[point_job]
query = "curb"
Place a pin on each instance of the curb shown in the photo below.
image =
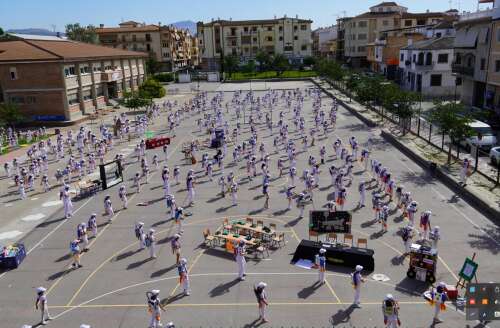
(470, 197)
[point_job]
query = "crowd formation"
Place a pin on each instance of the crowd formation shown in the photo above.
(291, 136)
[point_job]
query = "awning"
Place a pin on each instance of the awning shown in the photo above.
(466, 38)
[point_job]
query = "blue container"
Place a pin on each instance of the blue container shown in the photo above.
(12, 262)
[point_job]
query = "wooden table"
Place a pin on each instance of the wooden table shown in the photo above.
(258, 230)
(230, 240)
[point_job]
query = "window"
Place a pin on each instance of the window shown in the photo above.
(361, 48)
(385, 23)
(281, 38)
(97, 68)
(148, 37)
(303, 27)
(296, 37)
(442, 58)
(428, 58)
(17, 99)
(233, 31)
(245, 29)
(483, 64)
(438, 35)
(436, 80)
(166, 54)
(295, 27)
(362, 36)
(233, 52)
(254, 39)
(269, 28)
(87, 95)
(269, 38)
(164, 44)
(304, 47)
(408, 22)
(497, 66)
(69, 71)
(99, 91)
(353, 36)
(84, 70)
(148, 47)
(281, 28)
(13, 73)
(362, 24)
(254, 28)
(458, 59)
(31, 100)
(124, 38)
(414, 58)
(402, 57)
(134, 38)
(73, 98)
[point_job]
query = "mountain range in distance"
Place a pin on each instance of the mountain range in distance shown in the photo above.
(187, 24)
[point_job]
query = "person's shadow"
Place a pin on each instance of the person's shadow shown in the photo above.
(342, 316)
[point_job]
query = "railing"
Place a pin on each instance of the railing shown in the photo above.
(432, 134)
(463, 70)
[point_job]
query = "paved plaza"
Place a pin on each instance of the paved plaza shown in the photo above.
(110, 289)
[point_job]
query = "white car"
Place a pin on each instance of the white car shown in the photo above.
(495, 155)
(483, 136)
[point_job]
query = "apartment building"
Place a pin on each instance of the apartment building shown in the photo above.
(425, 67)
(171, 47)
(61, 80)
(244, 39)
(325, 41)
(341, 26)
(364, 29)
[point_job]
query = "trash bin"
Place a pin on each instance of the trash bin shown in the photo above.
(433, 168)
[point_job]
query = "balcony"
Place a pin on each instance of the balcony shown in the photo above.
(462, 70)
(423, 66)
(111, 76)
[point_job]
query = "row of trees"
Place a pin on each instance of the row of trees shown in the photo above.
(263, 62)
(374, 90)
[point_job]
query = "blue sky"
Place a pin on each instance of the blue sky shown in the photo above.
(45, 13)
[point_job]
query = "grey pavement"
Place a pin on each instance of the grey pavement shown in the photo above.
(109, 291)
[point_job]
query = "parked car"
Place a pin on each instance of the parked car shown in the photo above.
(495, 155)
(483, 137)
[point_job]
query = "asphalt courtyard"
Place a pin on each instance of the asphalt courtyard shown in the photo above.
(109, 291)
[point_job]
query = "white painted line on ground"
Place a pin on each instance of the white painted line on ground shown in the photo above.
(10, 234)
(57, 227)
(33, 217)
(52, 203)
(34, 198)
(9, 205)
(453, 206)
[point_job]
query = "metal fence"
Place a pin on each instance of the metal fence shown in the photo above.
(431, 133)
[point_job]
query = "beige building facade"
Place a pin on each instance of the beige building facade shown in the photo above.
(171, 47)
(244, 39)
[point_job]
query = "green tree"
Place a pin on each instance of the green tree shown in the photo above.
(1, 31)
(249, 67)
(80, 33)
(151, 89)
(264, 60)
(133, 100)
(280, 64)
(230, 65)
(10, 114)
(309, 61)
(450, 120)
(152, 65)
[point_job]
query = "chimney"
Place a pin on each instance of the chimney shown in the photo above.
(101, 25)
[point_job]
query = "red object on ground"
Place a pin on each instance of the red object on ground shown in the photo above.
(452, 292)
(157, 142)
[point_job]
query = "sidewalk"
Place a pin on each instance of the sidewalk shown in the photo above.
(480, 192)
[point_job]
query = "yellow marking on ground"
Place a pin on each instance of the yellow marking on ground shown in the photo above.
(332, 291)
(115, 254)
(225, 304)
(189, 271)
